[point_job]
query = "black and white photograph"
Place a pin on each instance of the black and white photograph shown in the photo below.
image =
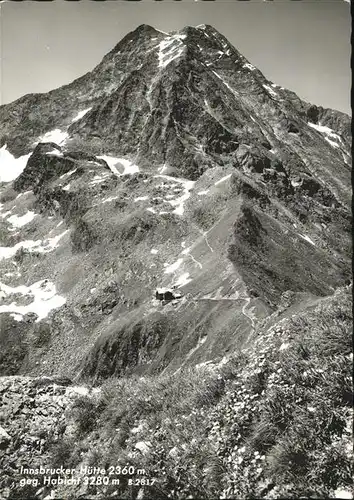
(175, 250)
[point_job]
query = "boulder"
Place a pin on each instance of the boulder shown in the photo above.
(143, 447)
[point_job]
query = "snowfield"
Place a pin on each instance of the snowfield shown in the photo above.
(81, 114)
(21, 220)
(169, 49)
(45, 299)
(112, 162)
(11, 167)
(330, 136)
(58, 136)
(40, 246)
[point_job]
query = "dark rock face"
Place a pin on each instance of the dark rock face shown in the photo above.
(42, 167)
(178, 162)
(272, 258)
(48, 163)
(14, 346)
(130, 351)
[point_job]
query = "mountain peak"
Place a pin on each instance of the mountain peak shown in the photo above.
(145, 28)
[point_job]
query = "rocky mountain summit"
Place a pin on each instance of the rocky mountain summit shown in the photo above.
(173, 165)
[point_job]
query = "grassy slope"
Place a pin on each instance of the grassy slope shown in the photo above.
(274, 421)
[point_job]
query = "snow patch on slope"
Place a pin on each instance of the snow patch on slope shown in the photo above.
(80, 115)
(55, 152)
(98, 179)
(330, 136)
(307, 238)
(45, 299)
(23, 194)
(270, 90)
(109, 199)
(223, 179)
(21, 220)
(249, 66)
(141, 198)
(40, 246)
(112, 162)
(169, 49)
(225, 83)
(343, 493)
(183, 280)
(179, 202)
(58, 136)
(11, 167)
(173, 267)
(68, 173)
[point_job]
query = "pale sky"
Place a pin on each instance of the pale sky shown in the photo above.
(302, 45)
